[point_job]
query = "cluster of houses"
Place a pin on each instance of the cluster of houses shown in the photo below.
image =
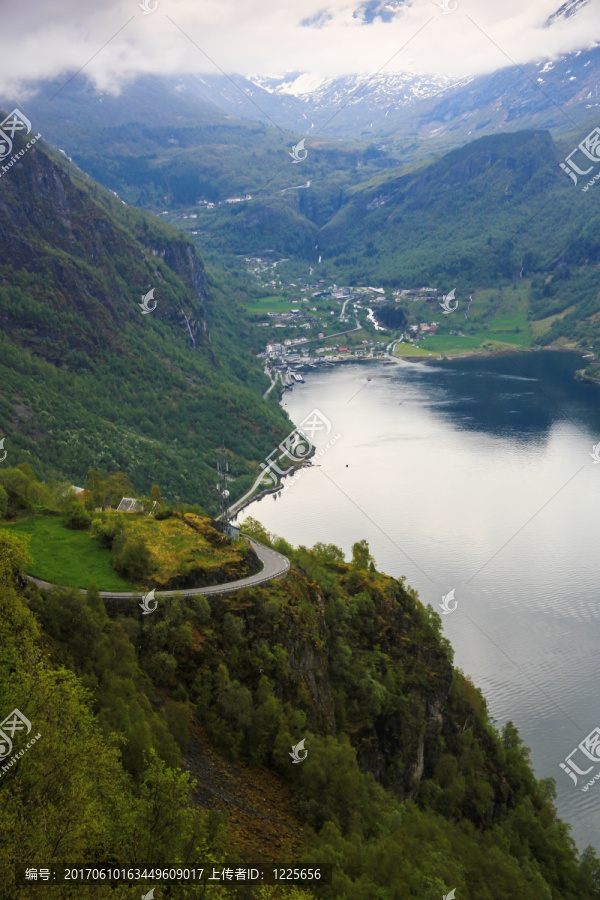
(295, 318)
(301, 316)
(258, 266)
(416, 331)
(278, 351)
(127, 504)
(281, 357)
(304, 315)
(428, 294)
(329, 355)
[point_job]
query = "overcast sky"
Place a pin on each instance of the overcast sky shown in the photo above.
(57, 37)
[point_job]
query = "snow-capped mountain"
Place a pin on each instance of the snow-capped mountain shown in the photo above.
(398, 89)
(418, 113)
(552, 93)
(547, 94)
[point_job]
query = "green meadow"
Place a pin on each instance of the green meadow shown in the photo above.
(266, 305)
(65, 556)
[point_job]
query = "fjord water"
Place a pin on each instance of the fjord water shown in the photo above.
(475, 475)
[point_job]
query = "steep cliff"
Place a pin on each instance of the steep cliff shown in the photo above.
(292, 706)
(150, 387)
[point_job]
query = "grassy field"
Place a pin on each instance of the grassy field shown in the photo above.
(277, 304)
(451, 343)
(497, 320)
(176, 547)
(500, 315)
(411, 350)
(63, 556)
(510, 328)
(72, 558)
(456, 345)
(541, 326)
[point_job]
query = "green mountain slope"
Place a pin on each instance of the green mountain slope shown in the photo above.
(88, 379)
(406, 788)
(491, 213)
(163, 148)
(487, 214)
(159, 142)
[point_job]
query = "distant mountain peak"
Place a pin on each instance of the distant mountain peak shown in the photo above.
(566, 11)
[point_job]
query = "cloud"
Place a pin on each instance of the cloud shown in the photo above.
(318, 20)
(112, 41)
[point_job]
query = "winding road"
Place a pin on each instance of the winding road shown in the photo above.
(275, 566)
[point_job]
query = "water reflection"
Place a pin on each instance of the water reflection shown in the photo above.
(475, 475)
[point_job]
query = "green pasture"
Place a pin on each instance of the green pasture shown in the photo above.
(277, 304)
(64, 556)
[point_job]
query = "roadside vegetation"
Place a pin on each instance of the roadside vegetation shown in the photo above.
(75, 543)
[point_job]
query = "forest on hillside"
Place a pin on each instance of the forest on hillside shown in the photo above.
(161, 738)
(90, 380)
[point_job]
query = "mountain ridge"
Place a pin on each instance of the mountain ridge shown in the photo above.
(449, 107)
(76, 263)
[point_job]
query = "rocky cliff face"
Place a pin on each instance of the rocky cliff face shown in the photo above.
(91, 258)
(397, 737)
(401, 744)
(193, 317)
(309, 665)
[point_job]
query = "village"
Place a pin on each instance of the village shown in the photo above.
(340, 323)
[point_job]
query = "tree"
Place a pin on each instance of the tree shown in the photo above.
(3, 502)
(155, 494)
(178, 718)
(61, 495)
(96, 487)
(27, 471)
(254, 528)
(14, 557)
(328, 553)
(106, 531)
(201, 608)
(391, 315)
(117, 486)
(37, 491)
(17, 486)
(361, 556)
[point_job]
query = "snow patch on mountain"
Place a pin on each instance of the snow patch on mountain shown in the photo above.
(385, 89)
(566, 11)
(294, 85)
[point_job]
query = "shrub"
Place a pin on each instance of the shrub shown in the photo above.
(3, 502)
(17, 487)
(131, 557)
(105, 531)
(77, 517)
